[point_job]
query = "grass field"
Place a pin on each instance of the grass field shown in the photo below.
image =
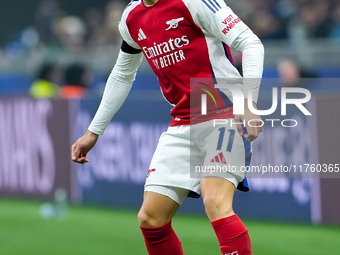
(98, 231)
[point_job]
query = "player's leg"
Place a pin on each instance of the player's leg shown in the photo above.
(168, 172)
(217, 194)
(226, 153)
(155, 220)
(156, 210)
(232, 235)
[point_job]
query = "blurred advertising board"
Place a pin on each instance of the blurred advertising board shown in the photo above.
(34, 147)
(120, 160)
(328, 141)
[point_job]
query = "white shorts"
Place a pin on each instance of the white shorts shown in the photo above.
(185, 154)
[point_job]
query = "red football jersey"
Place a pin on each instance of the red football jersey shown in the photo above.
(181, 40)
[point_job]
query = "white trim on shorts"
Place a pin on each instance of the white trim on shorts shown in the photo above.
(175, 193)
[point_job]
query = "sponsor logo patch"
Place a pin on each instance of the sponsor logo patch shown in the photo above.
(229, 23)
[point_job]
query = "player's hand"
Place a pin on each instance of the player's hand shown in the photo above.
(82, 146)
(255, 129)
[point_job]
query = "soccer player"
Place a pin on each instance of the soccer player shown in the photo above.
(184, 39)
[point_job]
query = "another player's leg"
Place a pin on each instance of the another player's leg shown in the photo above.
(232, 235)
(155, 222)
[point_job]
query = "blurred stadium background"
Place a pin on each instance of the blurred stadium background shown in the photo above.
(53, 38)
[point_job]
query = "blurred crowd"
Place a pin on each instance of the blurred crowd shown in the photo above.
(54, 81)
(55, 29)
(269, 19)
(290, 19)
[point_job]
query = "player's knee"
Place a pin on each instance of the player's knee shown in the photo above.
(143, 218)
(217, 207)
(148, 219)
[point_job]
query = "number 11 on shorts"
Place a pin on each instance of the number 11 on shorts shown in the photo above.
(221, 138)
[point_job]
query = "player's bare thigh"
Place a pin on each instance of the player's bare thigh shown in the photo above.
(217, 196)
(156, 210)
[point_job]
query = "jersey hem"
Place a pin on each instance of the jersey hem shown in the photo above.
(196, 119)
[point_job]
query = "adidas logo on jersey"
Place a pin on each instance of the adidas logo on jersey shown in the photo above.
(141, 35)
(219, 158)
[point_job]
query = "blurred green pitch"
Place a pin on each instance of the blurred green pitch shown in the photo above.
(98, 231)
